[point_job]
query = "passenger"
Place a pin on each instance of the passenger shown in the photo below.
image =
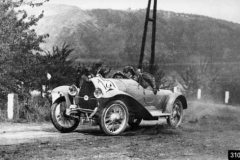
(130, 72)
(144, 79)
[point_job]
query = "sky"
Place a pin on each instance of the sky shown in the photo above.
(221, 9)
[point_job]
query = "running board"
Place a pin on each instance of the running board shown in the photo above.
(156, 113)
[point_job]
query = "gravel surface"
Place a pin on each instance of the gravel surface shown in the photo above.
(208, 131)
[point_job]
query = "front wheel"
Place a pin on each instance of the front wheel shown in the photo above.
(114, 118)
(60, 120)
(175, 119)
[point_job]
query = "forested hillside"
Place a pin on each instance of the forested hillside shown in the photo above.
(202, 50)
(104, 33)
(195, 51)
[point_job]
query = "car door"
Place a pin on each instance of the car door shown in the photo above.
(149, 96)
(135, 90)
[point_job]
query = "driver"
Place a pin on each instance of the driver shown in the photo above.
(144, 79)
(87, 74)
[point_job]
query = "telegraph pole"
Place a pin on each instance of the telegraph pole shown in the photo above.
(154, 24)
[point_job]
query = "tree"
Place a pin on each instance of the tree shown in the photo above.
(207, 59)
(58, 65)
(18, 41)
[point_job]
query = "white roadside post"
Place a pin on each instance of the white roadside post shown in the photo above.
(44, 89)
(12, 105)
(49, 76)
(226, 97)
(199, 93)
(175, 90)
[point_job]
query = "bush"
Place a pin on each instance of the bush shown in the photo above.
(37, 109)
(3, 115)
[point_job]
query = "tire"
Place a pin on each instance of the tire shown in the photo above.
(135, 122)
(175, 119)
(114, 118)
(60, 120)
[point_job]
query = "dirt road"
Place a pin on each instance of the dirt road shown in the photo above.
(207, 132)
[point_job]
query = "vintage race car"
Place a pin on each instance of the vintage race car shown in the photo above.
(113, 104)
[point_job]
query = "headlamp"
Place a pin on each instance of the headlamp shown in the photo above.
(98, 93)
(73, 90)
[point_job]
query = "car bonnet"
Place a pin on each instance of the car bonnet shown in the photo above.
(108, 84)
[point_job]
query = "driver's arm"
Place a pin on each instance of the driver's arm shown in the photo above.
(150, 80)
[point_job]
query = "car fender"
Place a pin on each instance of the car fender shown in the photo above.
(131, 102)
(59, 93)
(172, 98)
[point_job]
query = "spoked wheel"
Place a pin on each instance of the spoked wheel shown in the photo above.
(176, 116)
(60, 120)
(134, 122)
(114, 118)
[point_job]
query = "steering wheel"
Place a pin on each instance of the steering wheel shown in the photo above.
(119, 75)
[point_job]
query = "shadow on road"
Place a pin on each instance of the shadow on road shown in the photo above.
(140, 130)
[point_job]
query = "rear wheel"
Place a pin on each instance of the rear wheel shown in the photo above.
(175, 119)
(60, 120)
(114, 118)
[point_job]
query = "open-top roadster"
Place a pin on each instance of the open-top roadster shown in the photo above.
(114, 103)
(117, 102)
